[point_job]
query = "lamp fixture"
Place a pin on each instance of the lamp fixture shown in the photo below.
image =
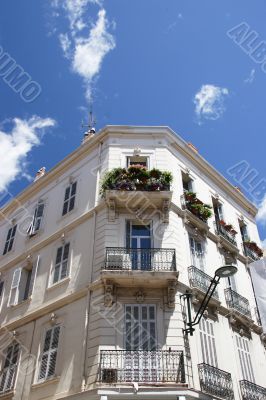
(222, 272)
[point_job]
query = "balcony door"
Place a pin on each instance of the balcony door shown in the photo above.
(197, 253)
(141, 361)
(139, 238)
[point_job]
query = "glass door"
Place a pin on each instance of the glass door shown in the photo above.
(140, 243)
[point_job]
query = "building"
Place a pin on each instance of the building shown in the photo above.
(93, 267)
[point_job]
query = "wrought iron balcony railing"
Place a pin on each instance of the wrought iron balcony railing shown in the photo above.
(220, 230)
(215, 381)
(141, 366)
(249, 253)
(237, 302)
(251, 391)
(121, 258)
(198, 279)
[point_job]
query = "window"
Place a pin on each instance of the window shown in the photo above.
(9, 369)
(197, 253)
(243, 231)
(137, 160)
(69, 200)
(244, 358)
(218, 210)
(10, 239)
(61, 263)
(187, 183)
(140, 327)
(49, 353)
(22, 283)
(36, 220)
(207, 341)
(138, 238)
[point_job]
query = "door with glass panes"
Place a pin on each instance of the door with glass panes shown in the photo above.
(139, 238)
(141, 363)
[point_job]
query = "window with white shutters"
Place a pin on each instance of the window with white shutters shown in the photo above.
(9, 368)
(49, 353)
(69, 199)
(10, 239)
(140, 327)
(36, 220)
(61, 263)
(244, 358)
(207, 341)
(22, 283)
(197, 253)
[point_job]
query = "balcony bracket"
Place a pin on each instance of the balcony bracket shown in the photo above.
(111, 210)
(171, 291)
(165, 211)
(108, 294)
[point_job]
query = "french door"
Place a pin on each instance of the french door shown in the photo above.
(141, 360)
(140, 243)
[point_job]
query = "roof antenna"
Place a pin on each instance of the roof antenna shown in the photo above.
(90, 125)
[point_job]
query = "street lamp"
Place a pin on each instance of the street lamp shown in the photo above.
(222, 272)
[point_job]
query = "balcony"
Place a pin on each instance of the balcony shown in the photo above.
(126, 366)
(252, 251)
(195, 212)
(200, 281)
(237, 302)
(251, 391)
(130, 267)
(224, 233)
(137, 189)
(215, 382)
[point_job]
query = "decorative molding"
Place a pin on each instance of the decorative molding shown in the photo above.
(53, 319)
(108, 294)
(111, 210)
(140, 296)
(165, 211)
(171, 290)
(137, 151)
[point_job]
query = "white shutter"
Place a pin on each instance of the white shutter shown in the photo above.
(244, 358)
(140, 327)
(9, 369)
(14, 291)
(197, 253)
(207, 340)
(33, 275)
(49, 353)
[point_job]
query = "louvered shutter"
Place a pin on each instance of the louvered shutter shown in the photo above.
(64, 261)
(58, 261)
(7, 240)
(207, 339)
(14, 291)
(10, 367)
(11, 241)
(1, 287)
(49, 354)
(244, 358)
(72, 196)
(33, 275)
(66, 200)
(31, 227)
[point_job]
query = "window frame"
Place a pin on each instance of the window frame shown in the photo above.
(32, 231)
(147, 166)
(193, 257)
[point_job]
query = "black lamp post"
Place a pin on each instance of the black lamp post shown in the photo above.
(222, 272)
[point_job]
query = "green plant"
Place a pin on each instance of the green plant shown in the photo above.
(155, 173)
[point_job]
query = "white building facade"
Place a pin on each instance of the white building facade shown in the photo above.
(92, 277)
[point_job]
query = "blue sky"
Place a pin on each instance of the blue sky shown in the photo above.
(154, 62)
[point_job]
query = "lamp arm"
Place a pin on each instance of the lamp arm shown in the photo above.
(205, 301)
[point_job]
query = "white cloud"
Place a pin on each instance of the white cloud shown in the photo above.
(86, 46)
(209, 102)
(251, 76)
(16, 144)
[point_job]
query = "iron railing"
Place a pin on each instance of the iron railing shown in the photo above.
(237, 302)
(250, 253)
(251, 391)
(220, 230)
(215, 381)
(198, 279)
(141, 366)
(121, 258)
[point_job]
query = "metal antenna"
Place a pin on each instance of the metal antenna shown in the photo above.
(91, 121)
